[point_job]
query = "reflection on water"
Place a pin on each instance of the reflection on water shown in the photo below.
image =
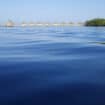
(52, 66)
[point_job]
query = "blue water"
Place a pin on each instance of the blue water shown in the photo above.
(52, 66)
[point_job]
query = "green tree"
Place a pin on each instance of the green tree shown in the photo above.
(95, 22)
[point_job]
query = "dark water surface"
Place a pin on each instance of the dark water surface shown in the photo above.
(52, 66)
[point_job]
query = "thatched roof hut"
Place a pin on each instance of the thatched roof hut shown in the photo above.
(23, 24)
(10, 23)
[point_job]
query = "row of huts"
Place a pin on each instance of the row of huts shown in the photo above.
(10, 23)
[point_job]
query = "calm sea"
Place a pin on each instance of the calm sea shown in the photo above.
(52, 66)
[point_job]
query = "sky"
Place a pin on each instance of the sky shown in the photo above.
(51, 10)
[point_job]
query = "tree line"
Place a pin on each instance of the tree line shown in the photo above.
(95, 22)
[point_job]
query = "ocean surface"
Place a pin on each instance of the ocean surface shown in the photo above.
(52, 66)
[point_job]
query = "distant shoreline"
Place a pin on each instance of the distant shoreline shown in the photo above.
(10, 23)
(98, 22)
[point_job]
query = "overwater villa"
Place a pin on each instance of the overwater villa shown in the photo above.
(55, 24)
(81, 23)
(39, 24)
(24, 24)
(31, 24)
(10, 23)
(46, 24)
(71, 23)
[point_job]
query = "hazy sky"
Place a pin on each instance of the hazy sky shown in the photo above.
(51, 10)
